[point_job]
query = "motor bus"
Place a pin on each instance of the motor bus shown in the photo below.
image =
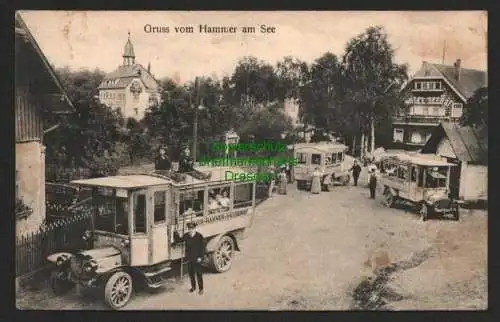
(421, 180)
(131, 240)
(329, 157)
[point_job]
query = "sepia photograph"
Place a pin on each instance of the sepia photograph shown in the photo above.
(259, 160)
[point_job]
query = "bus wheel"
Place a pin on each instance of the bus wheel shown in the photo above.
(424, 211)
(389, 198)
(456, 214)
(118, 290)
(222, 258)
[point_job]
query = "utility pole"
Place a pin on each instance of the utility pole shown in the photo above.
(195, 126)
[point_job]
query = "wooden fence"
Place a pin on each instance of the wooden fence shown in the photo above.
(64, 235)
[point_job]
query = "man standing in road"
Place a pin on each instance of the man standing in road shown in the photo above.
(356, 170)
(372, 184)
(195, 251)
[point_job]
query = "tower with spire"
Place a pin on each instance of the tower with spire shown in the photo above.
(128, 53)
(131, 87)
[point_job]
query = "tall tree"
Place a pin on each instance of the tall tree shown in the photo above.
(476, 110)
(372, 79)
(291, 73)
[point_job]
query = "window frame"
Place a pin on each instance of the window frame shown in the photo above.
(320, 159)
(164, 220)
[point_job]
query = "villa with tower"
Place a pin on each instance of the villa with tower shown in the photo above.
(131, 87)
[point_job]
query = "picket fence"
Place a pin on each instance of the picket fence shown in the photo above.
(66, 234)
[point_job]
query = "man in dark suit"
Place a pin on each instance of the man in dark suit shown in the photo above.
(356, 170)
(162, 162)
(186, 163)
(195, 250)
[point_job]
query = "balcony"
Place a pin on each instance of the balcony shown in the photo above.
(420, 119)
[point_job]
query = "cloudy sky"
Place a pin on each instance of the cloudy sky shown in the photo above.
(96, 38)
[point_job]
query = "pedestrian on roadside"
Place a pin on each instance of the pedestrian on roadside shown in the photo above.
(316, 181)
(283, 182)
(272, 184)
(372, 183)
(356, 170)
(195, 251)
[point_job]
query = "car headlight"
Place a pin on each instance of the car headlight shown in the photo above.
(90, 266)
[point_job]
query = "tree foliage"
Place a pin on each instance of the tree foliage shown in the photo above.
(476, 110)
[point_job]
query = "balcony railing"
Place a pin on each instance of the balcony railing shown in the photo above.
(422, 119)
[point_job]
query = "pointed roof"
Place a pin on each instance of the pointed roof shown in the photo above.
(470, 79)
(22, 32)
(124, 74)
(469, 144)
(128, 51)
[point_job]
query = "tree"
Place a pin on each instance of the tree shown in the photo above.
(291, 73)
(372, 79)
(476, 110)
(93, 130)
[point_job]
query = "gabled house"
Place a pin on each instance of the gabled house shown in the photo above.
(436, 93)
(131, 87)
(39, 98)
(468, 148)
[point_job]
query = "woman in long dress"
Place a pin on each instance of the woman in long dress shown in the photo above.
(316, 181)
(283, 182)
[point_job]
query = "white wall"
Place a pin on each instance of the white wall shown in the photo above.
(30, 167)
(444, 149)
(474, 182)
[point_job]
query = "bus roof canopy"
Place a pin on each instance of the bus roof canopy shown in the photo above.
(420, 159)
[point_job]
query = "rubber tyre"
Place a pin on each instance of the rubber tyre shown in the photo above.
(222, 258)
(389, 198)
(59, 286)
(116, 280)
(456, 215)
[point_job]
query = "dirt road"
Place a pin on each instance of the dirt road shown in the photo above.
(308, 252)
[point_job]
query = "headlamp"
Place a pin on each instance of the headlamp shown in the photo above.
(60, 260)
(125, 243)
(90, 266)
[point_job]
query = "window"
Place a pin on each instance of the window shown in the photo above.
(301, 158)
(140, 213)
(438, 85)
(425, 86)
(340, 157)
(425, 111)
(402, 172)
(457, 110)
(413, 174)
(398, 135)
(160, 206)
(111, 214)
(436, 177)
(334, 158)
(418, 85)
(219, 199)
(243, 195)
(416, 137)
(316, 159)
(191, 203)
(435, 111)
(420, 177)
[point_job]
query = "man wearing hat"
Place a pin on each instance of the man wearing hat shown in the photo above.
(195, 251)
(356, 170)
(186, 163)
(162, 162)
(372, 182)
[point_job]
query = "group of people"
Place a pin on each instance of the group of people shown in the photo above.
(163, 162)
(218, 201)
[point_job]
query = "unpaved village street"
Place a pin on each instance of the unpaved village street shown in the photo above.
(308, 252)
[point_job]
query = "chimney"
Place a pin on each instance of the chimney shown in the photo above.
(458, 67)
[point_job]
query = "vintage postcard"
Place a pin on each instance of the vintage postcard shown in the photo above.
(285, 160)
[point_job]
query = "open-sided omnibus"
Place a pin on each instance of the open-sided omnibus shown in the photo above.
(329, 157)
(421, 180)
(131, 241)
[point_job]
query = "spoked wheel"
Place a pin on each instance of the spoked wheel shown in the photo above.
(222, 257)
(424, 211)
(118, 290)
(59, 285)
(456, 214)
(389, 198)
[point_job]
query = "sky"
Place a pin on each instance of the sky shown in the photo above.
(95, 39)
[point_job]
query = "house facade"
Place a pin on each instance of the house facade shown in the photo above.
(39, 97)
(436, 93)
(131, 87)
(467, 147)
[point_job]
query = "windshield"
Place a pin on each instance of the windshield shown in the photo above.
(436, 177)
(111, 214)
